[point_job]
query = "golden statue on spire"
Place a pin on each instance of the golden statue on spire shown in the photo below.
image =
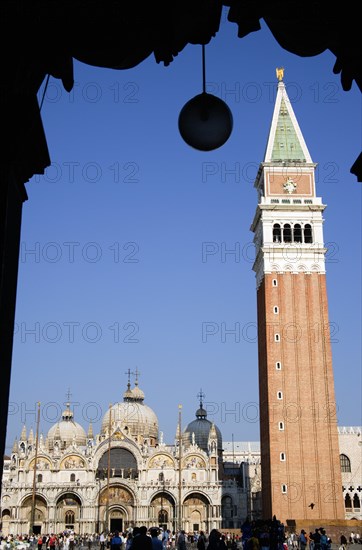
(280, 73)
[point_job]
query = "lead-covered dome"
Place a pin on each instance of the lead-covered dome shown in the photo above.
(132, 416)
(66, 431)
(201, 428)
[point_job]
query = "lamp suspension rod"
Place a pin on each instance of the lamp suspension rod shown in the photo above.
(203, 70)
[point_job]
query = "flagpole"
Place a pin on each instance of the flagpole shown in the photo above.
(109, 465)
(179, 469)
(32, 517)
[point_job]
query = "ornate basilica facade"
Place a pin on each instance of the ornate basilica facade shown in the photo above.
(125, 475)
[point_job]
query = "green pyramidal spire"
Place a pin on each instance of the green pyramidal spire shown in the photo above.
(286, 142)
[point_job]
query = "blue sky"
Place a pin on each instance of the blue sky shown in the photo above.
(112, 273)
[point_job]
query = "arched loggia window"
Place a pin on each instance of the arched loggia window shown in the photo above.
(277, 233)
(287, 233)
(308, 236)
(348, 503)
(356, 503)
(292, 233)
(297, 233)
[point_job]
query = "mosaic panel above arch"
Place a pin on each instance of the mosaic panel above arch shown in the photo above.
(117, 495)
(193, 461)
(161, 461)
(72, 462)
(42, 463)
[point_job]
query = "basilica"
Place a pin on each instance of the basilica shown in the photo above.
(126, 475)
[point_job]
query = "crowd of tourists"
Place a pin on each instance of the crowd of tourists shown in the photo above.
(254, 535)
(272, 535)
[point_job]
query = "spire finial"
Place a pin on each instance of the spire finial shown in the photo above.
(201, 397)
(23, 434)
(280, 73)
(90, 431)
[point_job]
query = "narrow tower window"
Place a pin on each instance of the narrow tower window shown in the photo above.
(287, 233)
(281, 426)
(277, 233)
(280, 395)
(277, 337)
(276, 309)
(278, 365)
(308, 237)
(284, 489)
(275, 282)
(297, 233)
(282, 457)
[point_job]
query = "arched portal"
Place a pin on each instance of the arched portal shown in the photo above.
(5, 521)
(118, 519)
(68, 512)
(40, 514)
(197, 510)
(116, 510)
(163, 511)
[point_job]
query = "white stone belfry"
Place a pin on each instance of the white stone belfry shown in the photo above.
(288, 232)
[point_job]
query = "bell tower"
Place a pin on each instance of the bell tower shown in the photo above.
(301, 476)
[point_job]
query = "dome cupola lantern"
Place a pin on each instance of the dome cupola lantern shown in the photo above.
(198, 431)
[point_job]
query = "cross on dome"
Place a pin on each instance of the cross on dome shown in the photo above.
(129, 372)
(201, 397)
(136, 374)
(68, 395)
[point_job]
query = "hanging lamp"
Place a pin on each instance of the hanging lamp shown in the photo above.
(205, 122)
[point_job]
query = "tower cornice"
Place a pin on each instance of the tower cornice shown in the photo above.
(295, 207)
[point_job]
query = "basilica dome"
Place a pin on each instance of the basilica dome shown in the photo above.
(66, 431)
(132, 416)
(199, 431)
